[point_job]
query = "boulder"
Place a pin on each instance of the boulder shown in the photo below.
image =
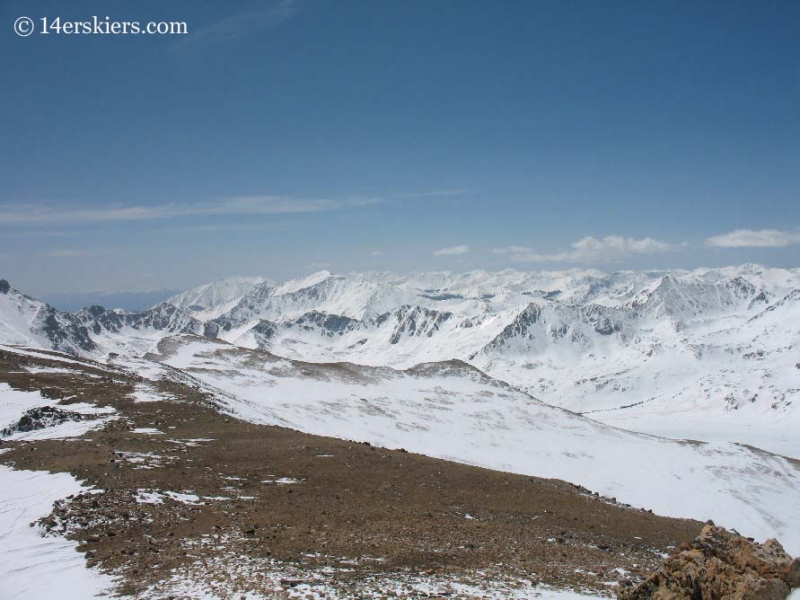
(718, 565)
(41, 418)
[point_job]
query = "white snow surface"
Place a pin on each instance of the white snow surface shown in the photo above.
(452, 411)
(206, 298)
(147, 393)
(33, 566)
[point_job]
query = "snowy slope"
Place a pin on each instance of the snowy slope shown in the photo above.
(33, 566)
(213, 294)
(452, 411)
(675, 368)
(18, 315)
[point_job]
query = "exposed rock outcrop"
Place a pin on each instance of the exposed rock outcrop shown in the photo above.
(719, 565)
(41, 418)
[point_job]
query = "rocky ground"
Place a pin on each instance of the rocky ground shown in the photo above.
(191, 499)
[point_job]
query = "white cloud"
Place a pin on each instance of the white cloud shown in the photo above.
(452, 251)
(241, 205)
(747, 238)
(432, 193)
(592, 250)
(41, 214)
(376, 253)
(512, 250)
(64, 254)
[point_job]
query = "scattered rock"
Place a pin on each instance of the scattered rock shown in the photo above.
(720, 564)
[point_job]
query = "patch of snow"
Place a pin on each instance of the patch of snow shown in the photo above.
(70, 429)
(145, 497)
(191, 442)
(284, 481)
(184, 498)
(147, 431)
(36, 370)
(33, 566)
(148, 393)
(143, 460)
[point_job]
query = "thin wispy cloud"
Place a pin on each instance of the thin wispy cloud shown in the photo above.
(242, 24)
(43, 214)
(512, 250)
(65, 254)
(747, 238)
(27, 214)
(590, 249)
(432, 193)
(452, 251)
(318, 265)
(215, 228)
(37, 233)
(376, 253)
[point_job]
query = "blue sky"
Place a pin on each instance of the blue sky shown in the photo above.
(283, 137)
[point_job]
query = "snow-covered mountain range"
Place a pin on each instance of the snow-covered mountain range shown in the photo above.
(476, 367)
(682, 353)
(698, 354)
